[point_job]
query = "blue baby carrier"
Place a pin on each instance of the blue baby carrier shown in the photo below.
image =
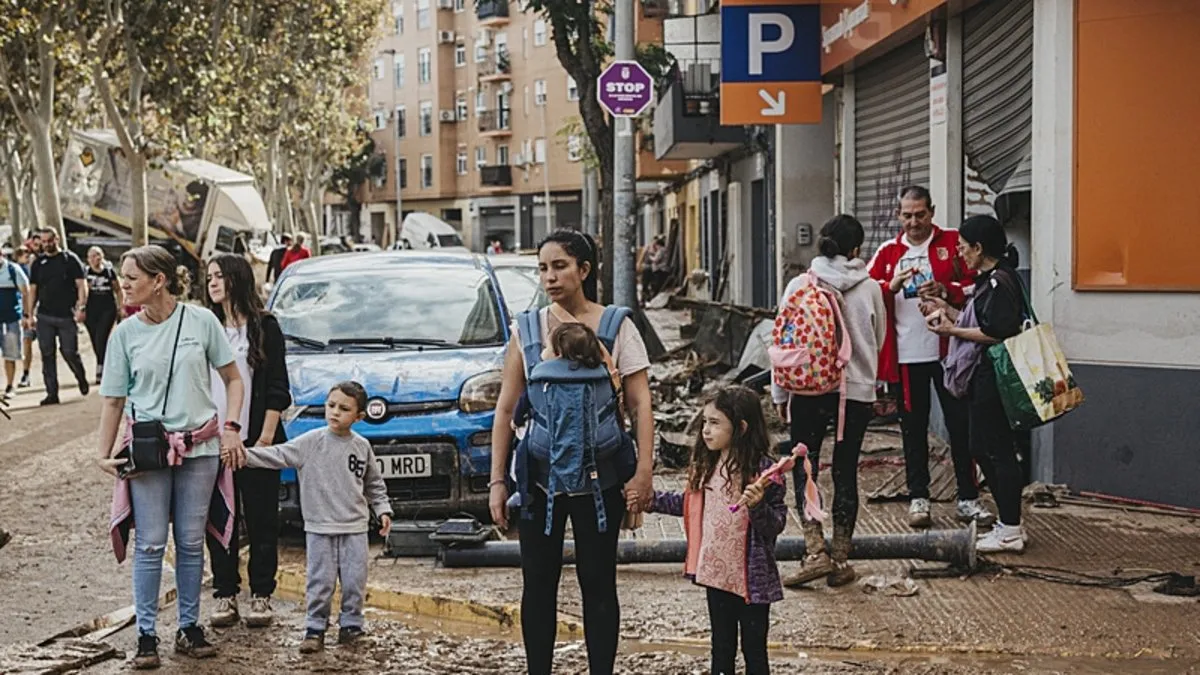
(576, 438)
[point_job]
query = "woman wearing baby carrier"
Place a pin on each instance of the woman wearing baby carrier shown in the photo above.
(589, 489)
(840, 272)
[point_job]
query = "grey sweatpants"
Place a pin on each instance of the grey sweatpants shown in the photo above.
(332, 557)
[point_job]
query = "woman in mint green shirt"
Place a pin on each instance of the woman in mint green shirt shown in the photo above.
(135, 385)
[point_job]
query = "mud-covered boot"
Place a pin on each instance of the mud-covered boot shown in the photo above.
(816, 562)
(839, 552)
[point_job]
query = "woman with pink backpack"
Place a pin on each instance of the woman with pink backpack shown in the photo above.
(830, 327)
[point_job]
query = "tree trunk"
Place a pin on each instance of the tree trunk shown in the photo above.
(137, 195)
(11, 161)
(31, 210)
(47, 177)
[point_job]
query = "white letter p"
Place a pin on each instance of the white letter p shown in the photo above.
(760, 46)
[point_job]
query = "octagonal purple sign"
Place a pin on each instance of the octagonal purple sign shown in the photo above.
(625, 89)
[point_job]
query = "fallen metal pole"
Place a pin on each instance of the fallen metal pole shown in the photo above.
(956, 547)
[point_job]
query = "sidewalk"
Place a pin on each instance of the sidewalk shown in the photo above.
(68, 390)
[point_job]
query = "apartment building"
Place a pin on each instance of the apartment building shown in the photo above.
(469, 104)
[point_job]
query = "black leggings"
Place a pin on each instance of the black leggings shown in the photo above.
(915, 379)
(811, 417)
(993, 443)
(257, 499)
(595, 567)
(727, 613)
(99, 322)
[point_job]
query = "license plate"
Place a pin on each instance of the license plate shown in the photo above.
(405, 466)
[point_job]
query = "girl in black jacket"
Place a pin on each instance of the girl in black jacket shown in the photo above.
(258, 346)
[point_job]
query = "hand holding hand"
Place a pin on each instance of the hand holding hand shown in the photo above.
(932, 289)
(639, 492)
(233, 452)
(753, 494)
(385, 525)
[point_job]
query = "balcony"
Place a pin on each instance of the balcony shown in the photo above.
(687, 120)
(495, 69)
(495, 123)
(495, 178)
(492, 12)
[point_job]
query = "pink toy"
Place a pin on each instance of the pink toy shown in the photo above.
(812, 498)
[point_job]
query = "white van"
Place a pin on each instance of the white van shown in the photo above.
(421, 231)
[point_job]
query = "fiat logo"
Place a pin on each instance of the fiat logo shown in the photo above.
(376, 409)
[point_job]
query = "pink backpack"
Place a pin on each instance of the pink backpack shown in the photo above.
(810, 344)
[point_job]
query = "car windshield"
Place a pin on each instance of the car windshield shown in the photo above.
(448, 240)
(522, 289)
(434, 304)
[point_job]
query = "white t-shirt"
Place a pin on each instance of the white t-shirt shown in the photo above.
(239, 341)
(914, 341)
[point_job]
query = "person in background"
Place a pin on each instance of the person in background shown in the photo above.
(731, 553)
(838, 268)
(15, 304)
(23, 256)
(275, 264)
(295, 253)
(104, 297)
(60, 292)
(999, 310)
(652, 268)
(259, 351)
(920, 264)
(342, 485)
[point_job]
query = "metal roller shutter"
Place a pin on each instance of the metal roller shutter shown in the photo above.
(998, 88)
(891, 137)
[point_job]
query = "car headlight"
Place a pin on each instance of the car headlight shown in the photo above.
(480, 393)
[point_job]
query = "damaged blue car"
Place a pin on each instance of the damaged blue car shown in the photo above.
(424, 333)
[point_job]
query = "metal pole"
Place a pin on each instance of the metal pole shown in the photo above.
(394, 236)
(956, 547)
(546, 169)
(624, 225)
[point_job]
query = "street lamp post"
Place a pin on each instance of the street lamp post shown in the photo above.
(389, 236)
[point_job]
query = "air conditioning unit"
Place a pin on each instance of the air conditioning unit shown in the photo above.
(445, 4)
(445, 37)
(447, 115)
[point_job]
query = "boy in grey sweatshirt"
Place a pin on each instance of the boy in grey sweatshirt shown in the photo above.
(339, 482)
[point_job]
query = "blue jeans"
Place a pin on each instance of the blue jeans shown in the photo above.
(180, 494)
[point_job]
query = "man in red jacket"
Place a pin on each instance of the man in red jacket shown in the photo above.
(920, 264)
(295, 253)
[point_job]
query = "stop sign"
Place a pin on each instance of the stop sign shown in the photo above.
(625, 89)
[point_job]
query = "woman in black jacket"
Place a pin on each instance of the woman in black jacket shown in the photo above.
(258, 348)
(999, 307)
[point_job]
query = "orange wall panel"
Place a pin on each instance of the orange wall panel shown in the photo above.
(1137, 150)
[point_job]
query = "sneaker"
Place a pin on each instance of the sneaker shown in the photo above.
(842, 574)
(147, 653)
(24, 383)
(8, 391)
(83, 386)
(1002, 539)
(350, 634)
(918, 513)
(191, 642)
(314, 641)
(49, 400)
(260, 615)
(226, 613)
(814, 567)
(971, 509)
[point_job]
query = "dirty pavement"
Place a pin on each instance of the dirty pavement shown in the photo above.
(1017, 614)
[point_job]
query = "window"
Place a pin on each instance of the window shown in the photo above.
(426, 172)
(480, 101)
(424, 65)
(398, 70)
(382, 179)
(399, 25)
(539, 92)
(574, 148)
(502, 155)
(378, 69)
(380, 119)
(460, 5)
(460, 55)
(501, 44)
(572, 89)
(460, 162)
(401, 122)
(527, 151)
(539, 151)
(480, 156)
(481, 51)
(426, 118)
(526, 100)
(539, 33)
(403, 174)
(398, 15)
(422, 14)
